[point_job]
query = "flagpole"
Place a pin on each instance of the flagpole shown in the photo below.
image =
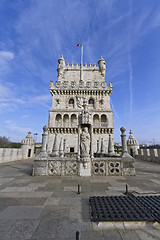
(81, 78)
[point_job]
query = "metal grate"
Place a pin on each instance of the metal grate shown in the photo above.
(125, 208)
(151, 203)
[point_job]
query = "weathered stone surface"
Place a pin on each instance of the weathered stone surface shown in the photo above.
(61, 211)
(22, 230)
(80, 126)
(19, 212)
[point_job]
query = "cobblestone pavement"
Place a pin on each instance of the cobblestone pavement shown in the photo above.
(49, 207)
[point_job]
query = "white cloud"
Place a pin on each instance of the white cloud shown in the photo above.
(5, 58)
(42, 98)
(25, 116)
(12, 126)
(4, 91)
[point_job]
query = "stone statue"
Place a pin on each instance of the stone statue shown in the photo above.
(86, 115)
(85, 143)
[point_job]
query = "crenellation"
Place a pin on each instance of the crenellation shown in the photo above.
(151, 155)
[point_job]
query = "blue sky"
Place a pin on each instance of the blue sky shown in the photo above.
(35, 33)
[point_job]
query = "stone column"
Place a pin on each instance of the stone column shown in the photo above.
(97, 146)
(110, 146)
(102, 148)
(123, 140)
(61, 153)
(44, 139)
(55, 147)
(124, 143)
(91, 142)
(64, 145)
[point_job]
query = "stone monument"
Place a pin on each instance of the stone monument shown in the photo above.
(80, 126)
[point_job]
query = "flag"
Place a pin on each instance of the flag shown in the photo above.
(79, 45)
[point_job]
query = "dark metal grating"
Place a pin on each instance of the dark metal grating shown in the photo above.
(151, 203)
(125, 208)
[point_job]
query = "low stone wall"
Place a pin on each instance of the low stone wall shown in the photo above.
(151, 155)
(12, 154)
(110, 166)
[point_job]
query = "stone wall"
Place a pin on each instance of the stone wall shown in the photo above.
(151, 155)
(13, 154)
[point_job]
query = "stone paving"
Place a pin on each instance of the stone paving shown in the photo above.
(49, 207)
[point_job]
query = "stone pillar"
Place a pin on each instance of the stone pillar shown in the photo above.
(102, 148)
(61, 153)
(97, 146)
(123, 140)
(55, 147)
(128, 161)
(64, 146)
(44, 139)
(40, 163)
(110, 146)
(91, 142)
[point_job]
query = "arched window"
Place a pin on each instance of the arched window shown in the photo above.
(58, 119)
(103, 120)
(73, 119)
(71, 101)
(66, 120)
(91, 101)
(96, 120)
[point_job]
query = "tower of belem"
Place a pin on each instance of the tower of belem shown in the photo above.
(80, 125)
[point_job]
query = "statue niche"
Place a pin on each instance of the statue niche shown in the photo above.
(85, 146)
(86, 115)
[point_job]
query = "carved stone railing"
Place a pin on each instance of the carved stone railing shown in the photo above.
(100, 125)
(71, 155)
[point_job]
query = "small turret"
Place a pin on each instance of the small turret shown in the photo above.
(27, 146)
(132, 145)
(102, 66)
(61, 65)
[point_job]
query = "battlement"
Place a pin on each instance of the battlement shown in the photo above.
(151, 155)
(76, 65)
(77, 68)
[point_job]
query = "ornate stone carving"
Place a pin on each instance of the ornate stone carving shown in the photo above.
(86, 115)
(114, 168)
(85, 146)
(79, 101)
(85, 143)
(99, 168)
(54, 168)
(71, 168)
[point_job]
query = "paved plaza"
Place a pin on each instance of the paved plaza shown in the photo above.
(49, 207)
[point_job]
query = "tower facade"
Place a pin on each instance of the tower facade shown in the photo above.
(80, 126)
(70, 96)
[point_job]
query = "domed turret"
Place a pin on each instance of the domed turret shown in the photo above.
(132, 145)
(102, 66)
(28, 139)
(27, 146)
(61, 65)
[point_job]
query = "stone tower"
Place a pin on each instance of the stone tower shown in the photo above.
(69, 96)
(80, 126)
